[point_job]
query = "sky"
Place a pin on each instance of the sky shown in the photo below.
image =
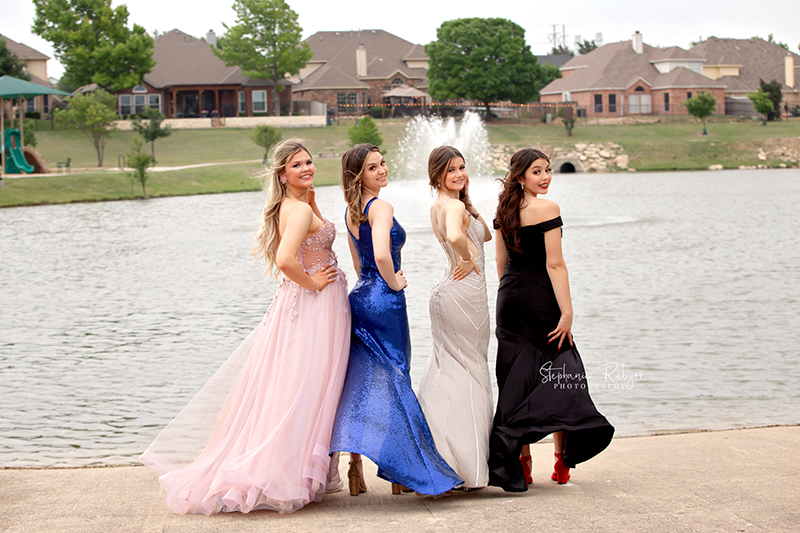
(670, 23)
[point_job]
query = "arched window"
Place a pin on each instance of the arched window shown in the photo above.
(639, 89)
(397, 81)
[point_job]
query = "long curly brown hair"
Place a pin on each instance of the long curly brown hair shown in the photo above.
(438, 162)
(511, 197)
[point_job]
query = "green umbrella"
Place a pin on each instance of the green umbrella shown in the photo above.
(17, 89)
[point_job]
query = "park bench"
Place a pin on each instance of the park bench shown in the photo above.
(64, 165)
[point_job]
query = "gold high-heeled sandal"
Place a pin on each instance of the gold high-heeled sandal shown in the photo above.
(354, 478)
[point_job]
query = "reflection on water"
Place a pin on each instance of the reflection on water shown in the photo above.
(114, 314)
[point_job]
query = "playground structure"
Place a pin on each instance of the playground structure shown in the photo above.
(14, 157)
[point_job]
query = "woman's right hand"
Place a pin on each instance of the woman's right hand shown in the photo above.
(325, 276)
(463, 269)
(400, 281)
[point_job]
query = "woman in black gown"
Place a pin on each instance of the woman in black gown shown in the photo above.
(540, 375)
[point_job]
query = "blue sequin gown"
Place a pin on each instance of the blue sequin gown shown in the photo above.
(379, 415)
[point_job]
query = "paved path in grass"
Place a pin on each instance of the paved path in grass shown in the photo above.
(729, 481)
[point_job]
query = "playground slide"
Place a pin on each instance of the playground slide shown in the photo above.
(35, 160)
(19, 160)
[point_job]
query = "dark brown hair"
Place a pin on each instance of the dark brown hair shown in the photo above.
(438, 162)
(511, 197)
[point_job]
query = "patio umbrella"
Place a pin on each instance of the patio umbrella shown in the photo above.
(17, 89)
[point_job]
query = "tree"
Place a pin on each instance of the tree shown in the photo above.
(771, 39)
(482, 59)
(92, 114)
(547, 73)
(567, 115)
(148, 125)
(774, 91)
(265, 42)
(762, 103)
(93, 42)
(365, 131)
(586, 46)
(10, 64)
(701, 106)
(266, 137)
(561, 50)
(139, 162)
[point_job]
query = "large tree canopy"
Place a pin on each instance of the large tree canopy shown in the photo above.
(485, 60)
(10, 64)
(93, 42)
(265, 42)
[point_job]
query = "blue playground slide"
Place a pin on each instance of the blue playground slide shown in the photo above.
(16, 163)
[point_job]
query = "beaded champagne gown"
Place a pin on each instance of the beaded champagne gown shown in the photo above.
(456, 392)
(379, 415)
(257, 434)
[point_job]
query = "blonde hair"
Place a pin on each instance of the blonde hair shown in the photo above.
(353, 163)
(266, 240)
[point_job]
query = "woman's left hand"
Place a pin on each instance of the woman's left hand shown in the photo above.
(563, 330)
(312, 197)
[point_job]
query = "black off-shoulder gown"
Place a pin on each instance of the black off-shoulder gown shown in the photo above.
(541, 389)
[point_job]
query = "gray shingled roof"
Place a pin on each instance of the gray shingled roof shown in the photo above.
(23, 51)
(615, 67)
(757, 59)
(385, 58)
(182, 59)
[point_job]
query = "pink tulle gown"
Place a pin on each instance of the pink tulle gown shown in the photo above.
(257, 435)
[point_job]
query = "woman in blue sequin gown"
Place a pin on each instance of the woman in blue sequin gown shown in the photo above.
(379, 415)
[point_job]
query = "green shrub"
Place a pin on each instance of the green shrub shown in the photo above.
(365, 131)
(379, 111)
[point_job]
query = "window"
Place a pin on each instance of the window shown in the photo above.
(124, 105)
(154, 101)
(140, 89)
(639, 90)
(387, 89)
(242, 103)
(612, 103)
(139, 101)
(46, 102)
(397, 81)
(30, 106)
(259, 101)
(666, 101)
(688, 95)
(598, 103)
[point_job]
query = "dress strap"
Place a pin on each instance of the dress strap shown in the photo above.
(366, 209)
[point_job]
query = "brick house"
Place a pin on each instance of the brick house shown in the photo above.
(633, 78)
(190, 81)
(351, 70)
(36, 65)
(742, 63)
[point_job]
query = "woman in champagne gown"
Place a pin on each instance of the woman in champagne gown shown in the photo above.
(257, 434)
(379, 416)
(541, 380)
(456, 392)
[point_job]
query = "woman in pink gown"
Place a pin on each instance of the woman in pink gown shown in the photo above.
(257, 435)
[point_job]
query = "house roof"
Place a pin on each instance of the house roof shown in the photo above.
(386, 57)
(757, 59)
(23, 51)
(616, 66)
(182, 59)
(558, 60)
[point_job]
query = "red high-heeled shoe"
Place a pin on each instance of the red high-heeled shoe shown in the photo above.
(560, 470)
(527, 466)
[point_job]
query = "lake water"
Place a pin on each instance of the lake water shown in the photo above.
(685, 285)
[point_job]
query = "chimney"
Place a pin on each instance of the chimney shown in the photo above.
(636, 43)
(789, 71)
(361, 60)
(211, 38)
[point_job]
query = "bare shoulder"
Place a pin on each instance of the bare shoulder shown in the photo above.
(297, 212)
(538, 210)
(380, 209)
(454, 205)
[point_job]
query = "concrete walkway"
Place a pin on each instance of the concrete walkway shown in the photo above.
(730, 481)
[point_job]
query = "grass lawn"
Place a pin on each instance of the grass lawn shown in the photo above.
(663, 144)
